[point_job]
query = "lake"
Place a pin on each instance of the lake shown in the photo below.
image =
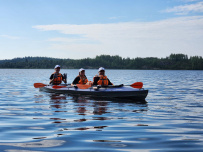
(36, 121)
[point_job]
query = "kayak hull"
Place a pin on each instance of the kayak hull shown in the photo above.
(112, 92)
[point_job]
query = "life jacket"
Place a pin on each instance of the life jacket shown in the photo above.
(103, 80)
(57, 80)
(83, 79)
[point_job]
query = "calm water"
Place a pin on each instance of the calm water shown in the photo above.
(34, 121)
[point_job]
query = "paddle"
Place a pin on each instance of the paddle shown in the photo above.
(39, 85)
(137, 85)
(58, 87)
(80, 86)
(83, 86)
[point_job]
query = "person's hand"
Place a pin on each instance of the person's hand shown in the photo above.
(55, 76)
(89, 83)
(65, 75)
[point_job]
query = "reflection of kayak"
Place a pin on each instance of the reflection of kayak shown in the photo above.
(108, 92)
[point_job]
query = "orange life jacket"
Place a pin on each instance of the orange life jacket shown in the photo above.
(57, 80)
(83, 79)
(103, 80)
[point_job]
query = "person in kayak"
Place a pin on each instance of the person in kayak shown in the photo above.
(56, 78)
(81, 78)
(101, 79)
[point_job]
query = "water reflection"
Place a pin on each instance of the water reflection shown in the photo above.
(100, 108)
(89, 112)
(58, 101)
(83, 103)
(91, 109)
(43, 143)
(81, 106)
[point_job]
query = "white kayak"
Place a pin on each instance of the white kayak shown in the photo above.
(118, 91)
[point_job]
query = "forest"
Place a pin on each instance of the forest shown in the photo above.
(172, 62)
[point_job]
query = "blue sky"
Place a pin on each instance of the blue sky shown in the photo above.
(85, 28)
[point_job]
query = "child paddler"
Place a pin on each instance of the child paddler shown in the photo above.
(56, 78)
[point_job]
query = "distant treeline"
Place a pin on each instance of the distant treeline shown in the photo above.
(173, 62)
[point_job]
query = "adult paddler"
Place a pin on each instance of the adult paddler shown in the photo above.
(101, 79)
(81, 78)
(56, 78)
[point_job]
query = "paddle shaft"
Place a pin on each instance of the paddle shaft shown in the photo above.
(137, 85)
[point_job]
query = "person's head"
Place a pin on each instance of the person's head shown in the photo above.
(57, 68)
(101, 71)
(82, 72)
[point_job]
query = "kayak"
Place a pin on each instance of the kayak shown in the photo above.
(119, 91)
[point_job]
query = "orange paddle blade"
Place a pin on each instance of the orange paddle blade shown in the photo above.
(39, 85)
(138, 85)
(58, 87)
(83, 86)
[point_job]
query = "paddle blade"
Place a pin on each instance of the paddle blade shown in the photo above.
(39, 85)
(138, 85)
(58, 87)
(83, 86)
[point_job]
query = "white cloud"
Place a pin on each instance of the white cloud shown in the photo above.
(69, 40)
(131, 39)
(116, 17)
(185, 9)
(189, 0)
(10, 37)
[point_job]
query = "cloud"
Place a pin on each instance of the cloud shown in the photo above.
(79, 40)
(116, 17)
(130, 39)
(10, 37)
(189, 1)
(185, 9)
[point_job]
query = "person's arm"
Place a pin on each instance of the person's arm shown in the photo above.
(109, 82)
(76, 80)
(86, 78)
(64, 79)
(95, 80)
(51, 78)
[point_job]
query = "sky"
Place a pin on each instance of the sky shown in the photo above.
(79, 29)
